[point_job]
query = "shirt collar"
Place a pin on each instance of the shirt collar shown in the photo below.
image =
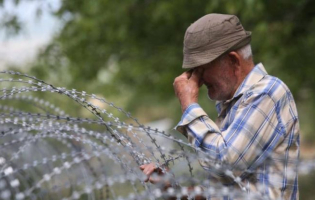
(257, 73)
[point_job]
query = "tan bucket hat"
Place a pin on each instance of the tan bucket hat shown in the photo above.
(211, 36)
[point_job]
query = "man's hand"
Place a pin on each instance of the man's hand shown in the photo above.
(187, 86)
(149, 169)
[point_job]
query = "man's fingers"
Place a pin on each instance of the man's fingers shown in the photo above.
(183, 77)
(186, 74)
(148, 169)
(148, 173)
(196, 76)
(154, 180)
(189, 73)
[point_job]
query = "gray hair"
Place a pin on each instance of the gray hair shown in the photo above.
(246, 52)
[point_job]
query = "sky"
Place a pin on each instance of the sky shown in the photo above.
(37, 32)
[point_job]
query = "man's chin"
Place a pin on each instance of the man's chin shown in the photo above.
(214, 97)
(211, 97)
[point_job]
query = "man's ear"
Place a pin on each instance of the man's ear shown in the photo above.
(235, 58)
(235, 61)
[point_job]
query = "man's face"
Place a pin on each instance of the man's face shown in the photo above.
(218, 76)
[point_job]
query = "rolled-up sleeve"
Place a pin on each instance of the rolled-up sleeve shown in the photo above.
(248, 136)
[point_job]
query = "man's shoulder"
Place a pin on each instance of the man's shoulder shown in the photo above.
(271, 86)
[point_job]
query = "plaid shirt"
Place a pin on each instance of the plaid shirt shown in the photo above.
(256, 135)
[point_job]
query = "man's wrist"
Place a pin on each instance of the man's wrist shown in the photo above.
(185, 106)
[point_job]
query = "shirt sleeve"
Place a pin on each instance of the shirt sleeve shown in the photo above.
(246, 138)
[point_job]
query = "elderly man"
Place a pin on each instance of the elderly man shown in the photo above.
(257, 131)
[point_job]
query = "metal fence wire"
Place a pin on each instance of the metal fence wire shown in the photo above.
(46, 153)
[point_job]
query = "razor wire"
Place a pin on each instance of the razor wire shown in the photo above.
(46, 153)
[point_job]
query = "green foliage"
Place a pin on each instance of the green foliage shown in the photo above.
(131, 51)
(305, 185)
(11, 24)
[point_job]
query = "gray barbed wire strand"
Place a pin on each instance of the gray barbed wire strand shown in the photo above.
(75, 156)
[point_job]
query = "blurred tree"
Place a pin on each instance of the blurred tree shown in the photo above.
(133, 49)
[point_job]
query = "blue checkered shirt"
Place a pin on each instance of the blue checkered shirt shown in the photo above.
(256, 135)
